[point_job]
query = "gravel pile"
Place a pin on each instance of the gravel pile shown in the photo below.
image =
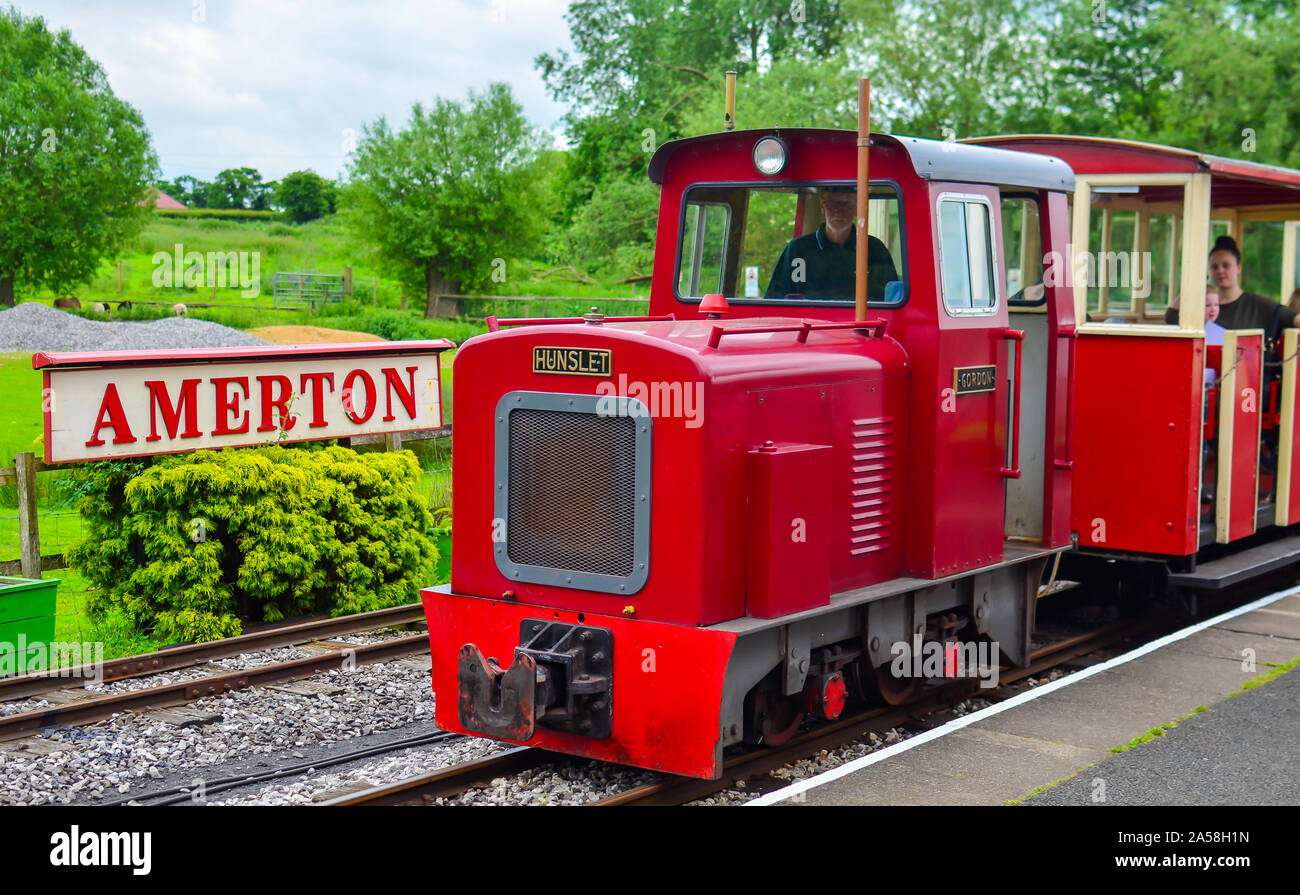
(134, 751)
(32, 326)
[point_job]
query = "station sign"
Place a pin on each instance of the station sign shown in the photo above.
(101, 405)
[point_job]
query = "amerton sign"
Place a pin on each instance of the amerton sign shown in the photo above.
(138, 403)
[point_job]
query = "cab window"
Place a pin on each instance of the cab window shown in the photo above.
(792, 244)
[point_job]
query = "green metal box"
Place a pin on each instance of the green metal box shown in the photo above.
(27, 610)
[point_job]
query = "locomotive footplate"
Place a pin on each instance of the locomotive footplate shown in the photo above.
(561, 678)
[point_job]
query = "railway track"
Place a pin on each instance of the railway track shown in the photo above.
(75, 707)
(453, 781)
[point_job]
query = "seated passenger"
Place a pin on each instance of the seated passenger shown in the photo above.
(821, 265)
(1239, 309)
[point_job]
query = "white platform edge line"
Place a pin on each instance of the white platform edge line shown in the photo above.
(921, 739)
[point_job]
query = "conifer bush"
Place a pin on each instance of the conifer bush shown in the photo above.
(194, 545)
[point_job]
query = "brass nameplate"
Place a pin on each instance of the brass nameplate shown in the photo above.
(972, 380)
(573, 361)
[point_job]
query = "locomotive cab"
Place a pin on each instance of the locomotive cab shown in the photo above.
(684, 531)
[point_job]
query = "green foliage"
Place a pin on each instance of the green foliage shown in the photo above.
(239, 188)
(614, 232)
(446, 196)
(75, 161)
(305, 196)
(228, 214)
(256, 534)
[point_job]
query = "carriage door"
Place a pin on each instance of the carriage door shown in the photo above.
(1022, 248)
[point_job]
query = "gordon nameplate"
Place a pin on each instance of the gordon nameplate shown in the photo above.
(573, 361)
(972, 380)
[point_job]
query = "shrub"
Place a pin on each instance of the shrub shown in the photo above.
(192, 546)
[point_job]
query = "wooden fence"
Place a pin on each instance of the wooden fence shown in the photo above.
(31, 563)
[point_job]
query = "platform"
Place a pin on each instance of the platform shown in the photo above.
(1052, 749)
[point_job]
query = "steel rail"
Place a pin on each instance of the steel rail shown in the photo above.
(97, 708)
(175, 658)
(448, 782)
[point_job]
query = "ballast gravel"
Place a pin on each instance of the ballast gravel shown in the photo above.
(132, 751)
(32, 326)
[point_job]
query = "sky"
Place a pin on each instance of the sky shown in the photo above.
(283, 85)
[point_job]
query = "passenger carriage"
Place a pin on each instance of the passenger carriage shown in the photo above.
(1168, 466)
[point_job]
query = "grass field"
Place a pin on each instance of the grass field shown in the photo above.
(322, 246)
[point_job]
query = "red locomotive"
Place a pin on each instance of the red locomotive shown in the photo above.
(684, 531)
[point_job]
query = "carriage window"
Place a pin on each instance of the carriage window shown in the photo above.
(789, 244)
(966, 255)
(1022, 241)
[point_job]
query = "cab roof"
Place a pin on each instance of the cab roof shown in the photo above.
(931, 159)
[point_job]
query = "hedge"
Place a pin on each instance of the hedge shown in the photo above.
(229, 214)
(194, 545)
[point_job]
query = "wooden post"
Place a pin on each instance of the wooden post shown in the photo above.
(402, 292)
(374, 291)
(864, 197)
(392, 441)
(119, 278)
(347, 282)
(28, 534)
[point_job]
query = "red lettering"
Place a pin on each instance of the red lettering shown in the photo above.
(391, 381)
(281, 403)
(318, 396)
(111, 407)
(160, 399)
(349, 400)
(228, 403)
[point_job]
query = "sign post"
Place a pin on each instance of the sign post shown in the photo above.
(100, 405)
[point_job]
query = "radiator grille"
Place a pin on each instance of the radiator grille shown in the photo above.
(872, 472)
(572, 491)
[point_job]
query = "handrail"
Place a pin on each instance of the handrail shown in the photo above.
(1013, 471)
(494, 323)
(876, 327)
(1071, 335)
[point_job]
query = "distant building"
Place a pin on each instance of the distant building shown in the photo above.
(162, 200)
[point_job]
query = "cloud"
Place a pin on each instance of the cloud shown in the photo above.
(278, 85)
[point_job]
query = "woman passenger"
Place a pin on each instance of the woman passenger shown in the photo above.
(1239, 309)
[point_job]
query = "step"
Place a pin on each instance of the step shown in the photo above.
(1220, 573)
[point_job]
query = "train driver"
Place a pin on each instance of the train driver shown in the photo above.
(821, 265)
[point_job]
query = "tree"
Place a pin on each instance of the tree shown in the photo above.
(76, 164)
(239, 188)
(305, 196)
(448, 198)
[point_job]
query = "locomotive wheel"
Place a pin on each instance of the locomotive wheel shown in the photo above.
(894, 690)
(771, 718)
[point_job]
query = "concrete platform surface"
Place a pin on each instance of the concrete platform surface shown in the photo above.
(1242, 751)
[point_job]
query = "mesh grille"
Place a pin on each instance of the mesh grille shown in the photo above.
(572, 491)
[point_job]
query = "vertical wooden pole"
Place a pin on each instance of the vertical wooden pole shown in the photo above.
(374, 291)
(392, 441)
(864, 195)
(28, 534)
(402, 292)
(119, 278)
